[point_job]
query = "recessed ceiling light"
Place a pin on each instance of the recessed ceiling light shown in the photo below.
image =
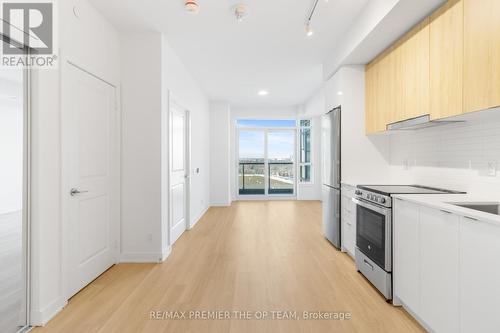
(263, 93)
(340, 93)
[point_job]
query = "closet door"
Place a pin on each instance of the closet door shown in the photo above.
(13, 199)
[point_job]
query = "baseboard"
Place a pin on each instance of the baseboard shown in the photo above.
(224, 204)
(43, 316)
(166, 253)
(142, 257)
(198, 218)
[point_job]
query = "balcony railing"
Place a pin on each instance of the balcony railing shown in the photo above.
(252, 178)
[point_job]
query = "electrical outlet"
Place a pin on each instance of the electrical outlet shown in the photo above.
(492, 168)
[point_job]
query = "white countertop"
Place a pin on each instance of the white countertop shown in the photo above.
(442, 201)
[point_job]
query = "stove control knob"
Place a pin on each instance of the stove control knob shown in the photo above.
(382, 201)
(358, 192)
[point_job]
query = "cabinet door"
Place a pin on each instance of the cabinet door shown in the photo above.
(413, 67)
(348, 226)
(482, 54)
(377, 95)
(446, 60)
(479, 276)
(406, 270)
(439, 250)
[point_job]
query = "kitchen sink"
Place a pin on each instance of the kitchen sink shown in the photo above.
(485, 207)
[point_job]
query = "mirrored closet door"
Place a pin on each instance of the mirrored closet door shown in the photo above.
(13, 200)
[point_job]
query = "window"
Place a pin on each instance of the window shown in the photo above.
(267, 163)
(267, 123)
(305, 160)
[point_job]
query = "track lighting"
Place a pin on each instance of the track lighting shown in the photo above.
(309, 30)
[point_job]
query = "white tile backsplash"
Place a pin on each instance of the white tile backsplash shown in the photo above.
(455, 156)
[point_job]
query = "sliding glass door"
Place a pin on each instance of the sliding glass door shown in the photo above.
(13, 200)
(266, 164)
(280, 160)
(252, 166)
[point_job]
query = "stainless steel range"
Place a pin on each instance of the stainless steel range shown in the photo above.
(374, 230)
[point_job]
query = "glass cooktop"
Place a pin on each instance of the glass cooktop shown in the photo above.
(405, 189)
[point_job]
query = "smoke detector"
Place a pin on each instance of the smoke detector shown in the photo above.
(240, 12)
(192, 6)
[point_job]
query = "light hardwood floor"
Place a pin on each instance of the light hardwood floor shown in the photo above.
(252, 256)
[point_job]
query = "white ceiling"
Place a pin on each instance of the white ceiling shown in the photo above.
(233, 61)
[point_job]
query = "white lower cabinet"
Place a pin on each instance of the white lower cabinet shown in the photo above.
(348, 220)
(439, 262)
(446, 269)
(479, 276)
(406, 253)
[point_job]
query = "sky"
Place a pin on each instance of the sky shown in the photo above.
(281, 144)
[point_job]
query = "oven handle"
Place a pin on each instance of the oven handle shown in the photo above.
(368, 264)
(383, 211)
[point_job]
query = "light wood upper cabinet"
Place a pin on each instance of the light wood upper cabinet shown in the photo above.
(482, 54)
(397, 81)
(447, 65)
(446, 60)
(377, 82)
(412, 65)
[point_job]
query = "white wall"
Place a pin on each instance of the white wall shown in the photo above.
(368, 19)
(453, 156)
(152, 74)
(187, 92)
(220, 151)
(11, 144)
(91, 42)
(141, 236)
(314, 108)
(365, 159)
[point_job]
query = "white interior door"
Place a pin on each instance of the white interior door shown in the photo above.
(179, 171)
(91, 169)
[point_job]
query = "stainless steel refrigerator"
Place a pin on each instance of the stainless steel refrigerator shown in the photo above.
(331, 136)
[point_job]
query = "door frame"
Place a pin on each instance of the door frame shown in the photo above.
(172, 100)
(65, 172)
(266, 195)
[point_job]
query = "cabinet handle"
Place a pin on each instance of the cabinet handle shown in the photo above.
(399, 199)
(446, 212)
(471, 218)
(368, 264)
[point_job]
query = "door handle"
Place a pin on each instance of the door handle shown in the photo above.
(75, 191)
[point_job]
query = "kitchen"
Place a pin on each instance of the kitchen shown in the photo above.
(227, 166)
(431, 108)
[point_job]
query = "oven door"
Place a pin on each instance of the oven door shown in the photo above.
(373, 233)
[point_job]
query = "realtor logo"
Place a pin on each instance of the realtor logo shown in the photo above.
(28, 33)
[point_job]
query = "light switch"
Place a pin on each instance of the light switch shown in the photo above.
(492, 168)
